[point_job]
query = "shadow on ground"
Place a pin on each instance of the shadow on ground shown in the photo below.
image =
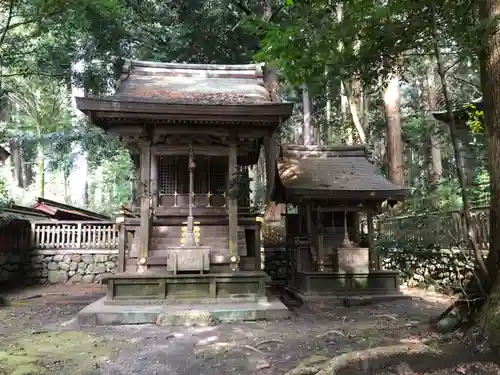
(449, 360)
(45, 317)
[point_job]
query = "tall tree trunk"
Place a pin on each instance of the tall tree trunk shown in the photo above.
(366, 112)
(344, 109)
(27, 168)
(306, 127)
(490, 82)
(456, 147)
(328, 138)
(66, 190)
(489, 55)
(392, 103)
(15, 151)
(41, 172)
(436, 164)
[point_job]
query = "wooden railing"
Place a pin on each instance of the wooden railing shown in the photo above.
(74, 235)
(446, 229)
(200, 200)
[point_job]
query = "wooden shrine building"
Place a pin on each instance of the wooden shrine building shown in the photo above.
(193, 131)
(332, 188)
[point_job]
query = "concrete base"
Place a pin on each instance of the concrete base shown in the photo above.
(101, 313)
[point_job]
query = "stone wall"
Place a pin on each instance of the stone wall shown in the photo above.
(443, 270)
(57, 266)
(276, 263)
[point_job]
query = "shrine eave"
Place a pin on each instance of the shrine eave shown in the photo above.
(124, 110)
(377, 197)
(396, 195)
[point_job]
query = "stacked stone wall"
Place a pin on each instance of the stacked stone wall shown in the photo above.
(56, 266)
(441, 270)
(276, 263)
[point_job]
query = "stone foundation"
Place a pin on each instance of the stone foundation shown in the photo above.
(442, 270)
(276, 264)
(57, 266)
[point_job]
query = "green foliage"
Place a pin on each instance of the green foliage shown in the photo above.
(4, 193)
(239, 186)
(475, 118)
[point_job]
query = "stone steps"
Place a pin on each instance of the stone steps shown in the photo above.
(99, 313)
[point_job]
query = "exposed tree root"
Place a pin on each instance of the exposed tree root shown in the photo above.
(464, 311)
(327, 333)
(269, 342)
(319, 365)
(363, 356)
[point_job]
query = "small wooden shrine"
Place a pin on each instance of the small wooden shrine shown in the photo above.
(331, 188)
(193, 131)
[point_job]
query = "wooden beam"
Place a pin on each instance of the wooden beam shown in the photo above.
(215, 150)
(184, 110)
(219, 133)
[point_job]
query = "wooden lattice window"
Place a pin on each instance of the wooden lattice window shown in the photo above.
(182, 174)
(167, 177)
(218, 173)
(209, 175)
(202, 175)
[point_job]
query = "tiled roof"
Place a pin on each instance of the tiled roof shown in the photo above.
(192, 83)
(328, 170)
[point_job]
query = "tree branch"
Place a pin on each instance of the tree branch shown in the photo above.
(30, 74)
(275, 13)
(241, 4)
(28, 21)
(467, 83)
(7, 23)
(458, 61)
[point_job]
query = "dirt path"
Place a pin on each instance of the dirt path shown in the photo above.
(42, 332)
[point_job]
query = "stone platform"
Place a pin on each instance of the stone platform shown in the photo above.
(186, 288)
(370, 286)
(102, 313)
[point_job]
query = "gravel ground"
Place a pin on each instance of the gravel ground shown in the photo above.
(264, 348)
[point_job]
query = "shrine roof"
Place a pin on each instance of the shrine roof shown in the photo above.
(153, 93)
(192, 83)
(333, 172)
(460, 114)
(61, 211)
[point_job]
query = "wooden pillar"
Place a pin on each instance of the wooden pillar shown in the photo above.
(154, 180)
(145, 225)
(258, 247)
(355, 236)
(122, 244)
(232, 209)
(270, 147)
(311, 233)
(374, 259)
(320, 243)
(136, 187)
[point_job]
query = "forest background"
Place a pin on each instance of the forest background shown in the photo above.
(359, 71)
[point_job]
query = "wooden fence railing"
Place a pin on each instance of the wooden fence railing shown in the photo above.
(444, 229)
(74, 235)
